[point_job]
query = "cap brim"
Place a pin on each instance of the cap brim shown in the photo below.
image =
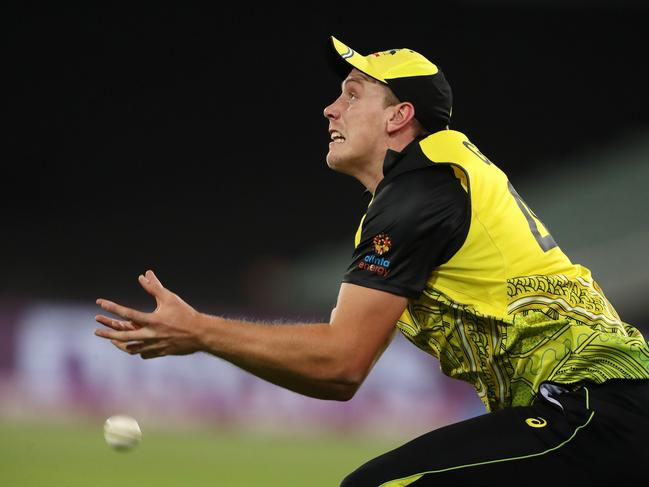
(354, 59)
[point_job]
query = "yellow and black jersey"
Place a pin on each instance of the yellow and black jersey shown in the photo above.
(418, 219)
(490, 292)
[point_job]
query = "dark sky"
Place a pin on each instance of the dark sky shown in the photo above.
(192, 140)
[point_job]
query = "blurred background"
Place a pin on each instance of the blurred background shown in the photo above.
(191, 141)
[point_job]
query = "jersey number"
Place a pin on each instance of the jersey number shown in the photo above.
(546, 242)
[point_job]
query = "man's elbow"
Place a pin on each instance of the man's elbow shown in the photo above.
(346, 370)
(330, 391)
(348, 381)
(345, 392)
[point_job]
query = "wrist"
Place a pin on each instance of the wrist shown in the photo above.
(204, 326)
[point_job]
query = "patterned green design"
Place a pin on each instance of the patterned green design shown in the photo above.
(575, 298)
(558, 330)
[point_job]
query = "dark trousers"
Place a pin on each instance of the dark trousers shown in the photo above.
(591, 435)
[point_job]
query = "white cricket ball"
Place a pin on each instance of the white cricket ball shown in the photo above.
(122, 432)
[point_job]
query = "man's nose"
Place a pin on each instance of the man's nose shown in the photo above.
(331, 112)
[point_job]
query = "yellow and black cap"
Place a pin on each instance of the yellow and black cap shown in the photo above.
(409, 75)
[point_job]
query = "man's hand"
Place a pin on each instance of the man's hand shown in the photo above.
(168, 330)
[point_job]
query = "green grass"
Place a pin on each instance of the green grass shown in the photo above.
(59, 455)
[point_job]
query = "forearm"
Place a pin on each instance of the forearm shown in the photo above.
(310, 359)
(323, 360)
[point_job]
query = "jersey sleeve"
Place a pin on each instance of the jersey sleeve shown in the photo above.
(414, 224)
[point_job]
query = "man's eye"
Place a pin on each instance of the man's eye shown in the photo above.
(352, 95)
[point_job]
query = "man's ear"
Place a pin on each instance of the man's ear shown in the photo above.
(400, 115)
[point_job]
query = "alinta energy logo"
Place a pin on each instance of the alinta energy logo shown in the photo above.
(377, 263)
(382, 243)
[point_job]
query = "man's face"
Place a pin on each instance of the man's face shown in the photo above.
(357, 124)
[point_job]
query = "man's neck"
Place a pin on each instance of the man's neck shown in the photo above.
(374, 175)
(371, 177)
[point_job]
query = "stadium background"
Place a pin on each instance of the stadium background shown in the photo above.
(191, 141)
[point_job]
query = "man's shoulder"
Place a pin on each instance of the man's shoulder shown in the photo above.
(425, 181)
(417, 190)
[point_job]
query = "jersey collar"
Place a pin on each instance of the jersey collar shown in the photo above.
(409, 159)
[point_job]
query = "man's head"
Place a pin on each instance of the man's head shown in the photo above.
(407, 73)
(364, 121)
(388, 98)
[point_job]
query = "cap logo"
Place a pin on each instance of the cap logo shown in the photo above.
(390, 51)
(348, 54)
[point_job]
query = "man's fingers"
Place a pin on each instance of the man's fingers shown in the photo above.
(120, 345)
(131, 335)
(141, 334)
(152, 285)
(142, 348)
(126, 313)
(145, 348)
(154, 354)
(132, 347)
(118, 325)
(152, 277)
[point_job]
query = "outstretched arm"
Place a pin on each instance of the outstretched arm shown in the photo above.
(323, 360)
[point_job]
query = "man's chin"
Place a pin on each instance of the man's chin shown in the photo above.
(332, 161)
(337, 162)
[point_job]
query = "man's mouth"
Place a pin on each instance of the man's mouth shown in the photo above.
(336, 137)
